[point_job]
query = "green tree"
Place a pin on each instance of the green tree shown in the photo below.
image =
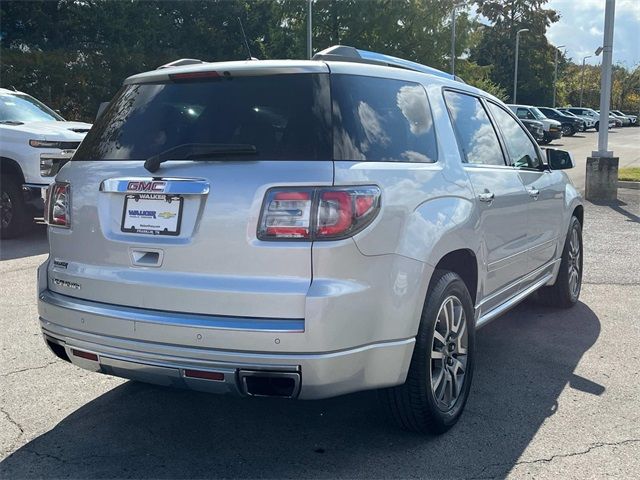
(625, 91)
(497, 47)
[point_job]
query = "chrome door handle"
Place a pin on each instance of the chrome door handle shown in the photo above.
(533, 192)
(486, 197)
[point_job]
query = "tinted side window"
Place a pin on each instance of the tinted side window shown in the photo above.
(522, 152)
(524, 113)
(380, 119)
(476, 136)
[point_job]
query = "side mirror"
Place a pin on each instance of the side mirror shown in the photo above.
(101, 109)
(559, 159)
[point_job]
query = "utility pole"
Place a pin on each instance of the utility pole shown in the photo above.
(582, 78)
(453, 37)
(309, 30)
(555, 74)
(515, 72)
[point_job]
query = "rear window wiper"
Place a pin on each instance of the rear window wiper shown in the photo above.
(198, 151)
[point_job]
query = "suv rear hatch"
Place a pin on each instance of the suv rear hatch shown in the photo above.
(183, 238)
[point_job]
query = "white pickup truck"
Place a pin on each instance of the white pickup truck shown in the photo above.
(35, 142)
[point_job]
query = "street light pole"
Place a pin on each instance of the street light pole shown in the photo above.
(515, 72)
(605, 81)
(601, 180)
(582, 79)
(309, 30)
(555, 74)
(453, 37)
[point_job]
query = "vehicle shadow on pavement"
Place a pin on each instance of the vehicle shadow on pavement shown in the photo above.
(526, 359)
(33, 242)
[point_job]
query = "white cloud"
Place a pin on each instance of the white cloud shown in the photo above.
(596, 32)
(581, 29)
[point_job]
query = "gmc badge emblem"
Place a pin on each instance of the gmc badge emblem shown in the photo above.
(144, 186)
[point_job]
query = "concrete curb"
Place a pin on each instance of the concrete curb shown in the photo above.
(628, 184)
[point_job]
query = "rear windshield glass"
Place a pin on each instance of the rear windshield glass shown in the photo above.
(283, 116)
(379, 119)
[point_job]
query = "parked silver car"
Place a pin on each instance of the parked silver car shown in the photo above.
(304, 229)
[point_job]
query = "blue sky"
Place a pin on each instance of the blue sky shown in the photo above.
(581, 29)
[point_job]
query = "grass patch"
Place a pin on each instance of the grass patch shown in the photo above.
(631, 174)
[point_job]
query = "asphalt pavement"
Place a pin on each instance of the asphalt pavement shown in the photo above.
(625, 143)
(556, 394)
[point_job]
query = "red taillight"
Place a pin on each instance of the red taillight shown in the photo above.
(339, 212)
(287, 214)
(58, 205)
(193, 76)
(335, 213)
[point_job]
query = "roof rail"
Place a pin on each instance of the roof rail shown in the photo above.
(344, 53)
(179, 63)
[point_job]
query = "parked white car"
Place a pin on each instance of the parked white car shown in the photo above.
(591, 113)
(552, 128)
(633, 119)
(35, 142)
(624, 120)
(589, 122)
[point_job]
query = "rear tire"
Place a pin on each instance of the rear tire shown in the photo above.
(439, 378)
(597, 127)
(566, 291)
(13, 215)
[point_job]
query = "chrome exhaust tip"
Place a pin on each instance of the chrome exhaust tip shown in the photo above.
(261, 383)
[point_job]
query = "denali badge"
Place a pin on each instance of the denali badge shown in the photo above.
(146, 186)
(65, 283)
(60, 264)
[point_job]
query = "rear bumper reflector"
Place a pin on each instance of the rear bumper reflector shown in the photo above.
(85, 355)
(205, 375)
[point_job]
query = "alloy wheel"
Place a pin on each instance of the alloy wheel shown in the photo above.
(6, 209)
(449, 353)
(575, 264)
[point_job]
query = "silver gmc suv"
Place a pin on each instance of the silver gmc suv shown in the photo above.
(304, 229)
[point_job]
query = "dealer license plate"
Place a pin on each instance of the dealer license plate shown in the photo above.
(152, 214)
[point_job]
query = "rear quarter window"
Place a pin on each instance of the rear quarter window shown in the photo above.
(381, 120)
